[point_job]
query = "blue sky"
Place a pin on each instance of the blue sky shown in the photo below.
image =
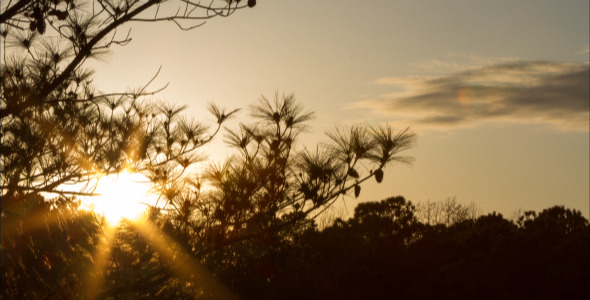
(496, 90)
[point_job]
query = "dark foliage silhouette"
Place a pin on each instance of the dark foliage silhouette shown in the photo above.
(58, 129)
(383, 252)
(50, 252)
(246, 227)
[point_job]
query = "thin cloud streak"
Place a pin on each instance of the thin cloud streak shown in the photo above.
(458, 62)
(522, 92)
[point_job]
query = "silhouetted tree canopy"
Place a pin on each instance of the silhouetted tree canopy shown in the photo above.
(383, 252)
(48, 253)
(246, 226)
(58, 129)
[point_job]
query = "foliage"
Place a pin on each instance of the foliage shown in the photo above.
(138, 269)
(270, 183)
(50, 252)
(58, 130)
(250, 219)
(370, 256)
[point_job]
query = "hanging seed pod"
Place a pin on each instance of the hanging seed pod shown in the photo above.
(41, 26)
(357, 191)
(251, 3)
(379, 175)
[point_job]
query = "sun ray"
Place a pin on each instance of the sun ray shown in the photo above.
(94, 280)
(34, 221)
(182, 264)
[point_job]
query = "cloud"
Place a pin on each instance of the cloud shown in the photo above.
(525, 92)
(457, 62)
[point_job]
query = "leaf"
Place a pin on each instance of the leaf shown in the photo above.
(357, 191)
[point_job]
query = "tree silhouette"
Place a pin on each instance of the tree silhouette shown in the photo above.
(383, 252)
(447, 212)
(50, 253)
(248, 220)
(271, 183)
(58, 129)
(268, 192)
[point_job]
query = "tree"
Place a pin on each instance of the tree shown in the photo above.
(51, 252)
(447, 212)
(83, 29)
(268, 189)
(354, 259)
(488, 257)
(57, 129)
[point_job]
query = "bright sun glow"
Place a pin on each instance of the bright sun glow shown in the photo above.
(122, 196)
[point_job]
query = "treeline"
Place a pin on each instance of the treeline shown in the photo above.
(383, 252)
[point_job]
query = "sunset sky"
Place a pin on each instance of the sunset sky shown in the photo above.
(497, 91)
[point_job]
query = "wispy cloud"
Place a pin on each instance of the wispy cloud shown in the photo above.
(526, 92)
(457, 62)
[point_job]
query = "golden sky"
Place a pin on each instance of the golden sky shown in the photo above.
(496, 90)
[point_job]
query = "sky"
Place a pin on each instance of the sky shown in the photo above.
(497, 91)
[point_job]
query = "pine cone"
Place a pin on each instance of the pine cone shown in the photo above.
(379, 175)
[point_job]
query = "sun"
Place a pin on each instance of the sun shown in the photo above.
(121, 196)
